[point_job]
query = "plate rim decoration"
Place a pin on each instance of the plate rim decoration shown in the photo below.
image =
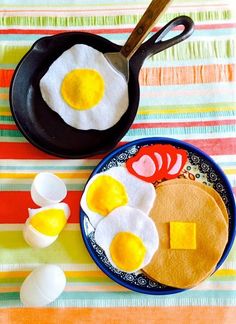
(150, 141)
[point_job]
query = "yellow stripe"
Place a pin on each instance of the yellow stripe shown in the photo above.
(105, 288)
(225, 272)
(5, 113)
(183, 110)
(14, 274)
(4, 95)
(230, 171)
(69, 274)
(67, 175)
(81, 274)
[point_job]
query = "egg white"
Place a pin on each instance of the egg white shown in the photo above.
(35, 238)
(128, 219)
(110, 108)
(141, 194)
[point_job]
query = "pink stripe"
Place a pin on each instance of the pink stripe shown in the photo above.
(106, 30)
(184, 124)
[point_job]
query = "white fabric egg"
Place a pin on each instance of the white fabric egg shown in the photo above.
(84, 89)
(37, 236)
(42, 286)
(120, 188)
(128, 237)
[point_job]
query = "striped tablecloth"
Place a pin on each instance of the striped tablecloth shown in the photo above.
(188, 92)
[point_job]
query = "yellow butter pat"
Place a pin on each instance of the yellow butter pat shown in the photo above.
(183, 235)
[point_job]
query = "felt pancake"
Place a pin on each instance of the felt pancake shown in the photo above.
(208, 189)
(185, 268)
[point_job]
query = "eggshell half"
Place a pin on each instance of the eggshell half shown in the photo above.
(42, 286)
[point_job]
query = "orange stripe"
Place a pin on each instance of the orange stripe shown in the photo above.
(11, 150)
(5, 77)
(169, 75)
(151, 315)
(4, 96)
(15, 204)
(187, 74)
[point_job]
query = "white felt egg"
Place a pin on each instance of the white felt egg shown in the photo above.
(128, 237)
(114, 188)
(42, 286)
(44, 224)
(83, 88)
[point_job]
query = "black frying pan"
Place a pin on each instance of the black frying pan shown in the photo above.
(43, 127)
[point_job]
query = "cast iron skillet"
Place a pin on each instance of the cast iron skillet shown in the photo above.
(43, 127)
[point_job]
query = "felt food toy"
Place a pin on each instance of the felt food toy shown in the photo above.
(45, 224)
(83, 88)
(42, 286)
(47, 189)
(193, 233)
(157, 162)
(114, 188)
(128, 237)
(211, 191)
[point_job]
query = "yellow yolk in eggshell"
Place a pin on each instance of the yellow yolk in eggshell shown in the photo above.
(49, 222)
(127, 251)
(82, 89)
(105, 194)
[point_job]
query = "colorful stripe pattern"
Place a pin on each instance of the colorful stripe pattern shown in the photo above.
(188, 92)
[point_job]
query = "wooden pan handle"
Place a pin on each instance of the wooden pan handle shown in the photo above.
(146, 23)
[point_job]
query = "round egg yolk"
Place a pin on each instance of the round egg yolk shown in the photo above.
(49, 222)
(105, 194)
(127, 251)
(82, 89)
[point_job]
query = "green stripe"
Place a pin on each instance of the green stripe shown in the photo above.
(75, 21)
(10, 133)
(85, 280)
(168, 117)
(229, 105)
(128, 299)
(226, 278)
(214, 49)
(4, 90)
(12, 139)
(12, 54)
(26, 187)
(182, 130)
(68, 248)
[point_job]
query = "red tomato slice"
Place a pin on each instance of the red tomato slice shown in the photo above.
(157, 162)
(142, 165)
(158, 152)
(179, 161)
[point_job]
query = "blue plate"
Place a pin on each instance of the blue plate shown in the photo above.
(200, 167)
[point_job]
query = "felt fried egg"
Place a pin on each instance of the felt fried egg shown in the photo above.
(114, 188)
(83, 88)
(45, 224)
(128, 237)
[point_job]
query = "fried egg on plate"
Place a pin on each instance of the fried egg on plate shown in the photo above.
(128, 237)
(84, 89)
(114, 188)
